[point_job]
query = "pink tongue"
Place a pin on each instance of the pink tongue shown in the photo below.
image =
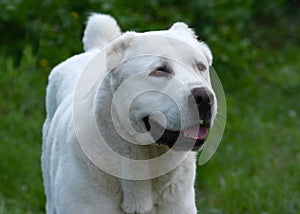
(195, 133)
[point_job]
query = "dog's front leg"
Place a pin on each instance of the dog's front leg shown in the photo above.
(137, 196)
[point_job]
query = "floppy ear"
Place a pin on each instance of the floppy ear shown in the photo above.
(182, 29)
(116, 51)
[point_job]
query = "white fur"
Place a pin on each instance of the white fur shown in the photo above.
(72, 183)
(100, 30)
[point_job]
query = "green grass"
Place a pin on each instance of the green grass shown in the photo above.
(256, 167)
(255, 170)
(22, 113)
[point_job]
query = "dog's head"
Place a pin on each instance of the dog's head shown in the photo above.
(161, 86)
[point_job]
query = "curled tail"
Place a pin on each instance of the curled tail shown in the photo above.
(100, 30)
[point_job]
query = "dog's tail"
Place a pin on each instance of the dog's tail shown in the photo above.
(100, 30)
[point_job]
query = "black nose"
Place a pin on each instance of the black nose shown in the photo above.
(202, 96)
(204, 100)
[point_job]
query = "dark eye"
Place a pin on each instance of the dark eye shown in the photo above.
(201, 67)
(164, 70)
(158, 73)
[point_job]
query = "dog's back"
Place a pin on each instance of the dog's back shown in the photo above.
(100, 30)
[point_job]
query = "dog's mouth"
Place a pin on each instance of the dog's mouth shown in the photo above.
(189, 139)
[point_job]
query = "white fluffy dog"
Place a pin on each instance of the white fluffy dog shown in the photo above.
(172, 116)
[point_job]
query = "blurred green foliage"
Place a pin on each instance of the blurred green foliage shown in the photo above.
(256, 48)
(22, 112)
(234, 28)
(54, 28)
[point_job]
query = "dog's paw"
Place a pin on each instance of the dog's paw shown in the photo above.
(141, 205)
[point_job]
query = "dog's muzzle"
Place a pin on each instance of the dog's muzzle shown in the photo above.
(193, 137)
(204, 100)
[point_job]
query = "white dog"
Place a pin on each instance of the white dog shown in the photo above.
(154, 99)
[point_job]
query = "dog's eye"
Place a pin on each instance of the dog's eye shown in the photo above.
(201, 67)
(161, 71)
(158, 73)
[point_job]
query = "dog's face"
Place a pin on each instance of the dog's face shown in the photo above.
(163, 79)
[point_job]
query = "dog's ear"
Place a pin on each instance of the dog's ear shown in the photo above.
(207, 53)
(182, 29)
(116, 51)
